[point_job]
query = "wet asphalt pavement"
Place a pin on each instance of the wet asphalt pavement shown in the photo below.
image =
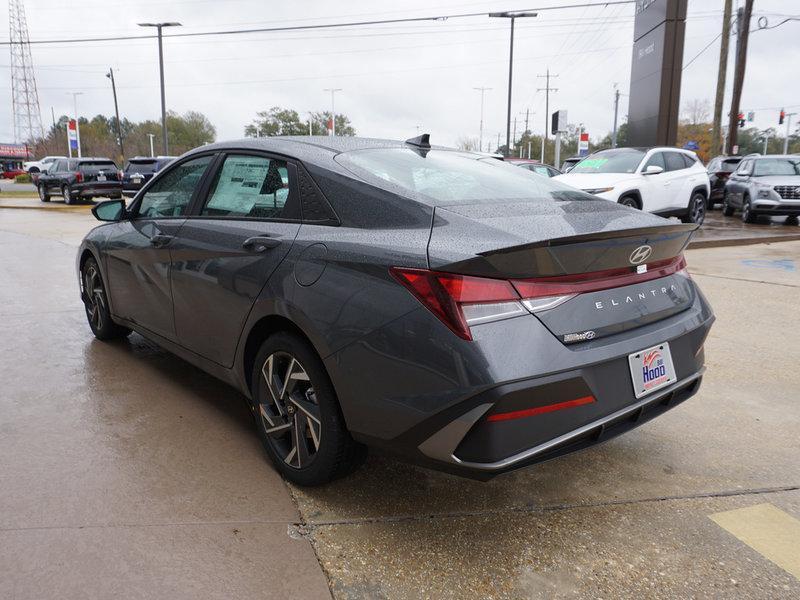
(125, 472)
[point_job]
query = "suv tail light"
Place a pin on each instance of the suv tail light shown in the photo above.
(461, 301)
(120, 175)
(79, 177)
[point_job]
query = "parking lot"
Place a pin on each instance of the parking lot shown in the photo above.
(125, 468)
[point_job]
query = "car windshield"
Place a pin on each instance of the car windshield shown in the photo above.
(776, 166)
(451, 177)
(143, 166)
(95, 166)
(622, 160)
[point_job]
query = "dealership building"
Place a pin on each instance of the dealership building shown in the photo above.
(11, 157)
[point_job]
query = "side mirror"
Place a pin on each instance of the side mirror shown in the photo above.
(110, 210)
(653, 170)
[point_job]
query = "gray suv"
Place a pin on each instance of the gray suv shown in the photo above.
(764, 185)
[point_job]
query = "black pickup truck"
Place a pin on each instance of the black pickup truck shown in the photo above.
(80, 178)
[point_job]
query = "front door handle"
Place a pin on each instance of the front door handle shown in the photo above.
(260, 243)
(159, 240)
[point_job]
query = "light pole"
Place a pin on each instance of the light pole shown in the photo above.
(160, 26)
(110, 75)
(788, 127)
(333, 109)
(151, 136)
(482, 90)
(77, 123)
(513, 16)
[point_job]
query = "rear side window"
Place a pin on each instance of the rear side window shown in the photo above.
(170, 194)
(657, 160)
(148, 166)
(252, 187)
(689, 160)
(674, 161)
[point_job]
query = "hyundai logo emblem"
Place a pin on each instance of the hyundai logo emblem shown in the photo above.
(641, 254)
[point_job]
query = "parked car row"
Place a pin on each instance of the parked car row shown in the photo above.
(75, 179)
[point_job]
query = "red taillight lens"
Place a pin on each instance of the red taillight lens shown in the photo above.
(79, 177)
(119, 175)
(446, 295)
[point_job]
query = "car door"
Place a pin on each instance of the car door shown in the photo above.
(678, 179)
(138, 250)
(655, 185)
(239, 232)
(735, 184)
(50, 179)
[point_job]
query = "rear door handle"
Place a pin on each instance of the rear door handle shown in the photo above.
(260, 243)
(159, 240)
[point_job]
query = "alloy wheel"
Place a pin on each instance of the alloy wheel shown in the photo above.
(95, 296)
(65, 195)
(698, 210)
(289, 410)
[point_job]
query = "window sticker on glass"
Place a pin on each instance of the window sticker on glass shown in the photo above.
(249, 186)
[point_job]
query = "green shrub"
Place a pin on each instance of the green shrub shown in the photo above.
(22, 178)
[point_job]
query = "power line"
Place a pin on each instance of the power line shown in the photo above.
(311, 27)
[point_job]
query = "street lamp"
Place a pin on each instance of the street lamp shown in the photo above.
(110, 75)
(513, 16)
(160, 26)
(482, 90)
(333, 109)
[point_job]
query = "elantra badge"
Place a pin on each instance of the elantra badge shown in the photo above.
(641, 254)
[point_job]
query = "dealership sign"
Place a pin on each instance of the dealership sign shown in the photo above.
(72, 134)
(13, 151)
(583, 144)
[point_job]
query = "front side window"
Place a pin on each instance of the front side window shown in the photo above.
(744, 168)
(170, 194)
(620, 160)
(251, 187)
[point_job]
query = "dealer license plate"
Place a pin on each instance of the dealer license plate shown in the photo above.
(101, 178)
(651, 369)
(136, 180)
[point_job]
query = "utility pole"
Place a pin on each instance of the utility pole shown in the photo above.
(786, 139)
(547, 89)
(482, 90)
(716, 132)
(110, 75)
(151, 136)
(527, 113)
(333, 91)
(616, 111)
(742, 32)
(498, 143)
(513, 139)
(513, 16)
(766, 140)
(161, 26)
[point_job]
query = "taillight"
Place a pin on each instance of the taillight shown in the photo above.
(79, 177)
(119, 175)
(461, 301)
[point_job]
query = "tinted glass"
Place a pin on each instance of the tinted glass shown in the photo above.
(621, 160)
(72, 165)
(776, 166)
(674, 161)
(60, 165)
(141, 166)
(450, 177)
(744, 167)
(657, 160)
(170, 194)
(688, 160)
(729, 165)
(251, 187)
(96, 166)
(713, 165)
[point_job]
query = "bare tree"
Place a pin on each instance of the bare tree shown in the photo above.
(467, 143)
(697, 111)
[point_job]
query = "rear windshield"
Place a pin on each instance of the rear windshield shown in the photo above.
(776, 166)
(450, 177)
(142, 166)
(730, 165)
(622, 160)
(95, 166)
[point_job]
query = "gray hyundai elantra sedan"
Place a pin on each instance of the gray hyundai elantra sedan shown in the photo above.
(458, 311)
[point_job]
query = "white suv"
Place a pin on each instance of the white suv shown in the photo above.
(665, 181)
(40, 166)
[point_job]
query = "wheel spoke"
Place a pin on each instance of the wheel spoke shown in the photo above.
(301, 439)
(267, 372)
(310, 409)
(286, 379)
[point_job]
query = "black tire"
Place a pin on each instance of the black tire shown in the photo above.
(33, 170)
(96, 304)
(44, 196)
(300, 424)
(66, 195)
(696, 211)
(747, 211)
(727, 209)
(791, 220)
(628, 201)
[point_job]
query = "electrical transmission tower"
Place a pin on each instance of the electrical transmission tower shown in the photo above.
(25, 98)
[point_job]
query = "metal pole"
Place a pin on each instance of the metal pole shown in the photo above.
(743, 31)
(116, 111)
(529, 150)
(514, 138)
(510, 76)
(151, 136)
(766, 141)
(77, 121)
(722, 70)
(557, 159)
(786, 139)
(164, 142)
(333, 113)
(482, 90)
(616, 109)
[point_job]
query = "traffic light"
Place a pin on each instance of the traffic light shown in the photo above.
(741, 120)
(781, 117)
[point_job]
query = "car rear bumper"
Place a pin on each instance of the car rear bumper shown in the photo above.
(110, 190)
(435, 409)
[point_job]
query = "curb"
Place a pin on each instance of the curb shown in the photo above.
(745, 241)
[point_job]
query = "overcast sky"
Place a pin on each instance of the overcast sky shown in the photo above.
(394, 77)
